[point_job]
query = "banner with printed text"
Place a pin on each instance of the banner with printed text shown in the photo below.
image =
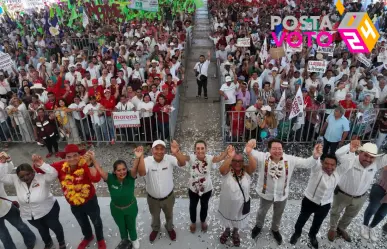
(297, 105)
(243, 42)
(5, 61)
(145, 5)
(317, 66)
(363, 59)
(327, 50)
(33, 4)
(13, 5)
(126, 119)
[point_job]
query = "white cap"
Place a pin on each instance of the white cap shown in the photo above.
(228, 79)
(285, 84)
(158, 142)
(154, 61)
(274, 69)
(37, 86)
(71, 65)
(266, 108)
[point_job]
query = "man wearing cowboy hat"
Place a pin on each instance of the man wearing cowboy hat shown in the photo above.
(39, 90)
(351, 191)
(76, 179)
(73, 76)
(283, 88)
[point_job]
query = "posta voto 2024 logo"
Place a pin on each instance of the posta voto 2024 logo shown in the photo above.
(357, 30)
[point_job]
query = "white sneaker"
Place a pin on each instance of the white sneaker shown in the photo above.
(136, 244)
(373, 235)
(365, 232)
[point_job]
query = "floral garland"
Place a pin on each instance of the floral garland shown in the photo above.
(76, 193)
(62, 120)
(239, 176)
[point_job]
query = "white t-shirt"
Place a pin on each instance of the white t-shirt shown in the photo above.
(148, 109)
(77, 114)
(373, 93)
(230, 92)
(200, 177)
(125, 107)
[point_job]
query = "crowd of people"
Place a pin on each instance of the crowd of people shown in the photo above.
(337, 182)
(254, 80)
(67, 86)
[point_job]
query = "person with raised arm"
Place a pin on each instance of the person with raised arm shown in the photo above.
(351, 192)
(234, 201)
(275, 171)
(199, 184)
(76, 177)
(37, 204)
(158, 172)
(123, 205)
(318, 197)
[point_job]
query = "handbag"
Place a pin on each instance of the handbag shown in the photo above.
(15, 203)
(246, 204)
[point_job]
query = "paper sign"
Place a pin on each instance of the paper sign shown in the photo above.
(14, 5)
(317, 66)
(33, 4)
(255, 38)
(126, 119)
(364, 60)
(145, 5)
(277, 53)
(5, 61)
(243, 42)
(327, 50)
(290, 49)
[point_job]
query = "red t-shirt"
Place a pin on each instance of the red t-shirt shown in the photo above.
(98, 93)
(346, 105)
(84, 182)
(109, 104)
(50, 105)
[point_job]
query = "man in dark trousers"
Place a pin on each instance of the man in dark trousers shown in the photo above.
(201, 72)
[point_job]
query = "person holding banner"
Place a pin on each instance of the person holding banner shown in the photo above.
(275, 170)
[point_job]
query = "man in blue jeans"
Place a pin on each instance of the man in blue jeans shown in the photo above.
(11, 213)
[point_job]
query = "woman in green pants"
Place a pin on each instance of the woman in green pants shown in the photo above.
(123, 205)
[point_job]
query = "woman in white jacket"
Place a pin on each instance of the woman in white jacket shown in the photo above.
(37, 204)
(9, 212)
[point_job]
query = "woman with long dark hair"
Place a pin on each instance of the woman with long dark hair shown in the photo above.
(123, 205)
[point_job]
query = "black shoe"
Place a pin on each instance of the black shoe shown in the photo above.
(255, 232)
(313, 241)
(385, 228)
(294, 238)
(277, 236)
(124, 244)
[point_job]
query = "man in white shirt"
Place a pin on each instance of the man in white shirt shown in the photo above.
(4, 87)
(229, 90)
(372, 91)
(351, 191)
(73, 77)
(97, 118)
(201, 72)
(221, 54)
(10, 213)
(318, 196)
(312, 81)
(275, 170)
(158, 172)
(329, 79)
(80, 118)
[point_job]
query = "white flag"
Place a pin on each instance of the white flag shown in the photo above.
(282, 102)
(297, 105)
(263, 54)
(85, 19)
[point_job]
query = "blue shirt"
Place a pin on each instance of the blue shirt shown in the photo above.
(336, 128)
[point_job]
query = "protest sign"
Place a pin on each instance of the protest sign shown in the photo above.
(14, 5)
(243, 42)
(363, 59)
(327, 50)
(297, 105)
(290, 49)
(33, 4)
(277, 53)
(317, 66)
(5, 61)
(145, 5)
(126, 119)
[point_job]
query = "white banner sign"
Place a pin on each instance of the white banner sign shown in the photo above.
(14, 5)
(33, 4)
(297, 105)
(290, 49)
(363, 59)
(243, 42)
(327, 50)
(317, 66)
(126, 119)
(145, 5)
(5, 61)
